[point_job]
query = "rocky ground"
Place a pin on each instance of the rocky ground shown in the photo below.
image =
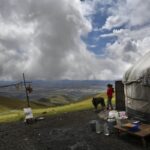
(70, 131)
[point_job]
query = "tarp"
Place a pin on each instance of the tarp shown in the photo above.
(137, 87)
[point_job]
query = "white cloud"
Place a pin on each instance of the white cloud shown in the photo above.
(43, 38)
(113, 22)
(38, 37)
(133, 13)
(92, 46)
(132, 40)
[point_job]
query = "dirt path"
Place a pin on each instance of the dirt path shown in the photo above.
(70, 131)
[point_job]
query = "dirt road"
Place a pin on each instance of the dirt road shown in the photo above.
(70, 131)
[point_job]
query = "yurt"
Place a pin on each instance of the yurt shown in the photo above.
(137, 89)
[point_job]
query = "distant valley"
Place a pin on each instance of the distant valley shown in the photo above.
(52, 93)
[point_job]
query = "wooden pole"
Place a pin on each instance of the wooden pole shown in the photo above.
(27, 96)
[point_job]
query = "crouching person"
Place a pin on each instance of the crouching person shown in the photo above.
(98, 100)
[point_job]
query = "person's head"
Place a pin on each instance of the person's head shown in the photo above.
(109, 85)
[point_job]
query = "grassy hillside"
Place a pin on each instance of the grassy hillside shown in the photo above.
(12, 103)
(12, 115)
(52, 101)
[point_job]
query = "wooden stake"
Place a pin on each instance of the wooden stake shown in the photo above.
(27, 96)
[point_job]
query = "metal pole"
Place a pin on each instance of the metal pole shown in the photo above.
(27, 96)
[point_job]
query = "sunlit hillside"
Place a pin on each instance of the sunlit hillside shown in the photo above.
(12, 110)
(14, 104)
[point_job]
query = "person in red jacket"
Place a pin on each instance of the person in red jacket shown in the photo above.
(110, 91)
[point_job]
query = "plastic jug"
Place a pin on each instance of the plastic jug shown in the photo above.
(98, 127)
(106, 129)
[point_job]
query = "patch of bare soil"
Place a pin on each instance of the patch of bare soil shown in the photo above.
(70, 131)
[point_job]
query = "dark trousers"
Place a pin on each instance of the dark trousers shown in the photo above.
(109, 103)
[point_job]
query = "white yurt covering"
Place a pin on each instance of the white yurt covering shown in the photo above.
(137, 89)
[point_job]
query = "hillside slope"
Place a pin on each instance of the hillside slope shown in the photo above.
(12, 110)
(12, 103)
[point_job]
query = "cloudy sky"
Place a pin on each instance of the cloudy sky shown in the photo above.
(72, 39)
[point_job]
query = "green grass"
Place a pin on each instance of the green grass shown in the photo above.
(8, 116)
(12, 103)
(52, 101)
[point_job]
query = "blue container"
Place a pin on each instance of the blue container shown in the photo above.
(135, 128)
(137, 123)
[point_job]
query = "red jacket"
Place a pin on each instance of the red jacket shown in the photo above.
(110, 92)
